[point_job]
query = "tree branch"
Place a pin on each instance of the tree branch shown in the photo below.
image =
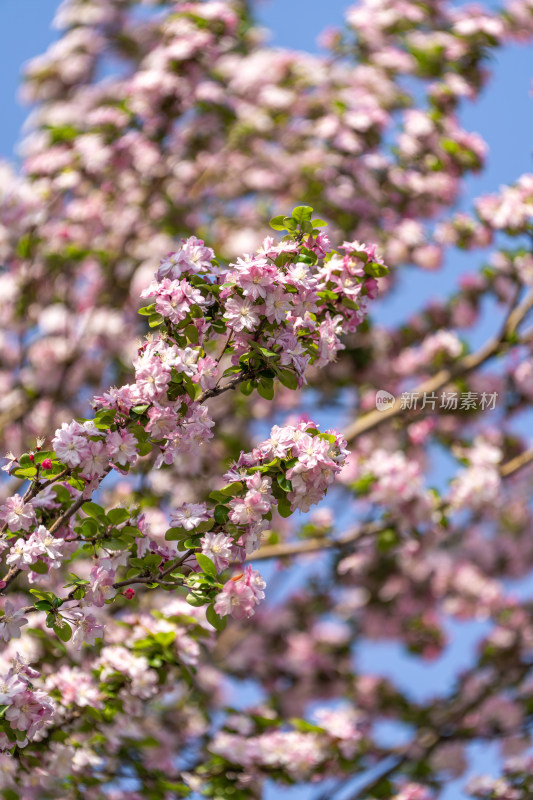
(463, 366)
(288, 549)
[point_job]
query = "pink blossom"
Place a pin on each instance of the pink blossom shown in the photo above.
(11, 622)
(122, 447)
(101, 589)
(219, 548)
(240, 594)
(277, 305)
(152, 380)
(43, 544)
(86, 627)
(189, 515)
(241, 314)
(17, 514)
(254, 277)
(249, 508)
(70, 444)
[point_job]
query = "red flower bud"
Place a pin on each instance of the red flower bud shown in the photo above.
(46, 463)
(128, 593)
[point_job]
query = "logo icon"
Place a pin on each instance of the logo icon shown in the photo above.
(384, 400)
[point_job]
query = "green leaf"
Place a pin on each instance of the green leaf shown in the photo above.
(284, 507)
(190, 544)
(219, 623)
(383, 790)
(387, 539)
(115, 544)
(24, 246)
(43, 595)
(147, 311)
(63, 631)
(192, 389)
(284, 258)
(349, 303)
(219, 326)
(93, 510)
(195, 600)
(304, 726)
(152, 561)
(43, 605)
(143, 448)
(104, 419)
(165, 638)
(155, 320)
(284, 482)
(277, 223)
(363, 484)
(206, 565)
(28, 473)
(221, 514)
(205, 526)
(290, 223)
(318, 223)
(89, 527)
(173, 534)
(191, 332)
(140, 409)
(218, 496)
(130, 531)
(62, 494)
(376, 270)
(40, 567)
(231, 490)
(287, 378)
(302, 213)
(266, 388)
(118, 515)
(231, 371)
(247, 387)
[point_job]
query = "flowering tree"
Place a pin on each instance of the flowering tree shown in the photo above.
(135, 518)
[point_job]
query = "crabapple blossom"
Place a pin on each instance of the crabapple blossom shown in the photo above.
(240, 594)
(201, 129)
(219, 548)
(189, 515)
(11, 622)
(17, 514)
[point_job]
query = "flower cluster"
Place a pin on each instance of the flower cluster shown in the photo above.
(480, 482)
(291, 470)
(202, 128)
(26, 710)
(298, 305)
(303, 295)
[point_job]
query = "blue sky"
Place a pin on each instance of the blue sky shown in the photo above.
(503, 116)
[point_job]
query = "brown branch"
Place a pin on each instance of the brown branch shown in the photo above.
(427, 740)
(516, 463)
(288, 549)
(463, 366)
